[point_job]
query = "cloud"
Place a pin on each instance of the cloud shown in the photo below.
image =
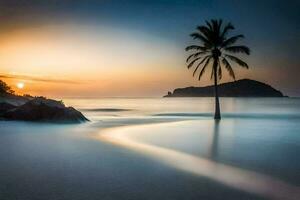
(39, 79)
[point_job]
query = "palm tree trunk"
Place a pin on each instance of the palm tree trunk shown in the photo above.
(217, 103)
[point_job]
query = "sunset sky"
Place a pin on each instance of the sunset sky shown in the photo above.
(136, 48)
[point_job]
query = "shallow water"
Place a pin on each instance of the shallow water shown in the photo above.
(157, 148)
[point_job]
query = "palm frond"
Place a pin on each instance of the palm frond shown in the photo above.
(195, 47)
(212, 73)
(205, 31)
(219, 72)
(203, 69)
(202, 61)
(228, 68)
(203, 39)
(216, 27)
(215, 24)
(231, 40)
(189, 57)
(191, 63)
(226, 29)
(209, 25)
(238, 49)
(237, 60)
(195, 55)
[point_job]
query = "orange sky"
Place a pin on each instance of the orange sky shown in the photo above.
(81, 61)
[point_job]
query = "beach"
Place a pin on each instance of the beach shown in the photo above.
(157, 148)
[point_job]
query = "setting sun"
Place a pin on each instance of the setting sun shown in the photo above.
(20, 85)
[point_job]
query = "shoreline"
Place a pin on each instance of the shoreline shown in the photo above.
(234, 177)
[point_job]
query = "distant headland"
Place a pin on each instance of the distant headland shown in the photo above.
(239, 88)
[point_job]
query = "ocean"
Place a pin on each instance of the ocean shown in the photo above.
(157, 148)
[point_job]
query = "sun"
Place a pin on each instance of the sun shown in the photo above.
(20, 85)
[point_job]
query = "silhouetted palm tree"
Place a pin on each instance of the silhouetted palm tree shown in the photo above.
(215, 46)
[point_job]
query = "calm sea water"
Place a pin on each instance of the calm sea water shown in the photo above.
(157, 148)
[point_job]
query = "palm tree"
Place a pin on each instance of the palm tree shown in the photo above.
(216, 47)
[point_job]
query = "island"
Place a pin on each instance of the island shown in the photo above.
(35, 109)
(239, 88)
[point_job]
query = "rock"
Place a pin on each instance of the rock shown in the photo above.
(240, 88)
(41, 109)
(4, 107)
(14, 99)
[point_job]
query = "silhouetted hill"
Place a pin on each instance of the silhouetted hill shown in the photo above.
(240, 88)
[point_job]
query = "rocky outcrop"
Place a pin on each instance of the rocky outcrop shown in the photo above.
(240, 88)
(13, 99)
(41, 109)
(4, 107)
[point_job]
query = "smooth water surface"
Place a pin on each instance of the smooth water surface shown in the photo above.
(157, 148)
